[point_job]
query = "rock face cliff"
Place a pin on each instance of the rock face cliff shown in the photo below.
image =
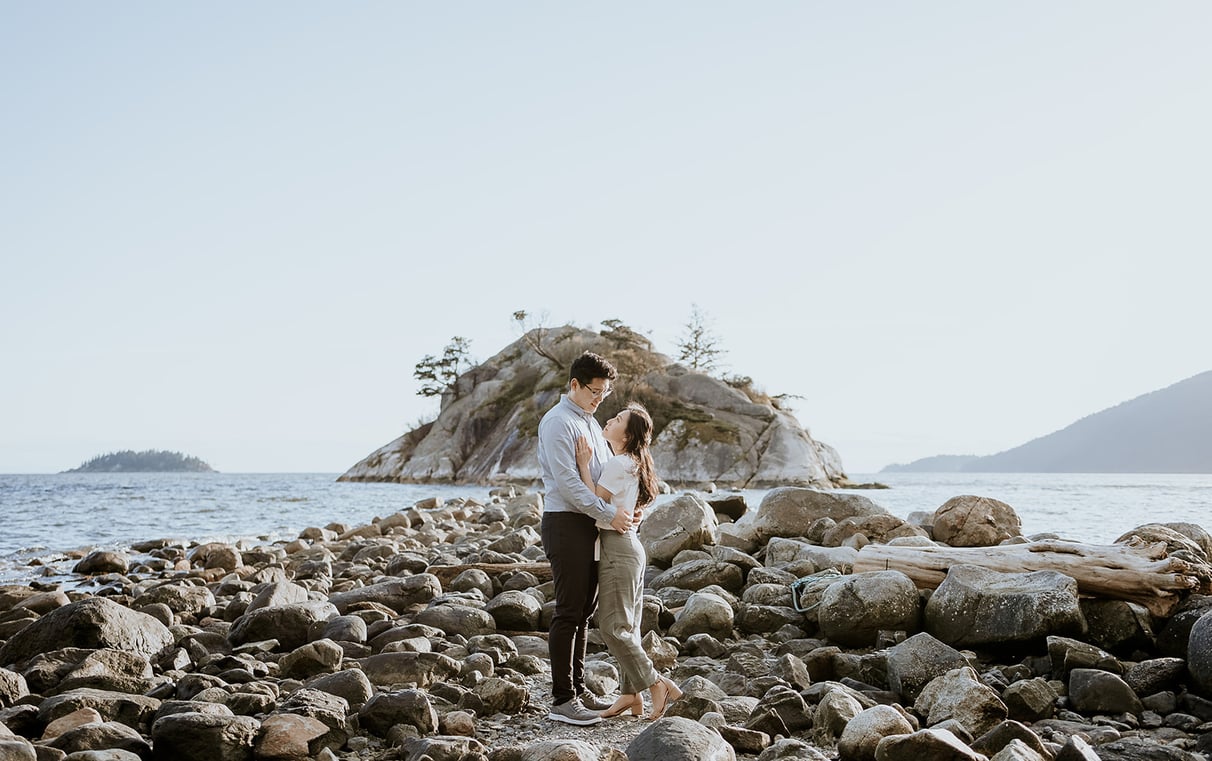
(706, 430)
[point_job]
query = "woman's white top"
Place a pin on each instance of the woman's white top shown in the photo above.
(620, 478)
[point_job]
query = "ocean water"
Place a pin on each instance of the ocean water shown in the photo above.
(44, 516)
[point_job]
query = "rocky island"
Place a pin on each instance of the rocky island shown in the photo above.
(707, 430)
(149, 461)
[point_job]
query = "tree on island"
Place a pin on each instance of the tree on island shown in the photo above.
(149, 461)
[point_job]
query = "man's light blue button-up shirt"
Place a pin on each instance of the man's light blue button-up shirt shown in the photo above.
(558, 433)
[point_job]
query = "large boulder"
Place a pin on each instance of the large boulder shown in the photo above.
(91, 623)
(1199, 653)
(680, 739)
(976, 606)
(684, 523)
(969, 521)
(790, 511)
(854, 609)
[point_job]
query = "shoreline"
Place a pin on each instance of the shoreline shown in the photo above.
(473, 650)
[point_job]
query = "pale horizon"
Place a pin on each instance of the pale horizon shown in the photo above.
(233, 231)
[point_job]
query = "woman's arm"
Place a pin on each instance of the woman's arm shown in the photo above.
(584, 455)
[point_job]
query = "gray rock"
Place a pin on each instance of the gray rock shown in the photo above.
(94, 622)
(401, 595)
(1030, 700)
(102, 561)
(276, 594)
(1076, 749)
(861, 737)
(1117, 625)
(15, 749)
(345, 629)
(1018, 750)
(570, 750)
(472, 578)
(290, 624)
(835, 711)
(422, 669)
(114, 754)
(793, 750)
(1155, 675)
(204, 737)
(974, 606)
(286, 736)
(697, 574)
(925, 745)
(513, 610)
(13, 687)
(502, 696)
(993, 741)
(879, 529)
(1143, 749)
(387, 709)
(671, 527)
(1199, 653)
(182, 599)
(1095, 691)
(109, 669)
(789, 511)
(441, 748)
(970, 521)
(679, 739)
(959, 695)
(103, 736)
(457, 619)
(856, 608)
(1067, 654)
(132, 710)
(327, 708)
(704, 613)
(917, 661)
(352, 685)
(320, 657)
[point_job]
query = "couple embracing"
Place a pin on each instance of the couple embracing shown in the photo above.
(597, 482)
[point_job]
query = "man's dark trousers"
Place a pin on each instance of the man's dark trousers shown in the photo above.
(568, 540)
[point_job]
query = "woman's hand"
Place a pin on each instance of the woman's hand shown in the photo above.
(584, 453)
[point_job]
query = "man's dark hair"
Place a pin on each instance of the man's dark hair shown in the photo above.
(589, 366)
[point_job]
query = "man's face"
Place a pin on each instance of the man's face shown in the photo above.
(588, 397)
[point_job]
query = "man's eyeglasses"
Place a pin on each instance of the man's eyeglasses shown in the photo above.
(602, 393)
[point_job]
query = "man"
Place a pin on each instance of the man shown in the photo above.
(570, 511)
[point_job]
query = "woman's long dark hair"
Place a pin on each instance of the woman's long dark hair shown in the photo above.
(639, 438)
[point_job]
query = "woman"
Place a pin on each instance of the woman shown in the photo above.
(628, 481)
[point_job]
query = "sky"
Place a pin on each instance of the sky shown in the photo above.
(233, 229)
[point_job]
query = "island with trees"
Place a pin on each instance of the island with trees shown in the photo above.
(149, 461)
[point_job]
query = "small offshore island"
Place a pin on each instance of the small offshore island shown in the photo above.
(149, 461)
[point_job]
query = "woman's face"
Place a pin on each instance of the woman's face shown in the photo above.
(615, 430)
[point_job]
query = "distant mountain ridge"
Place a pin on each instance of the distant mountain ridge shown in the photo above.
(149, 461)
(1164, 431)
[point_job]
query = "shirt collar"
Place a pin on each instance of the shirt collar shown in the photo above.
(574, 407)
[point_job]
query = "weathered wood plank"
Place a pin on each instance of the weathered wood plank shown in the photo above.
(1132, 571)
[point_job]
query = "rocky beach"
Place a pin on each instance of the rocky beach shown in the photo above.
(815, 625)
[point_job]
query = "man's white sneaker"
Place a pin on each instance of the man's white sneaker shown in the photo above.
(573, 712)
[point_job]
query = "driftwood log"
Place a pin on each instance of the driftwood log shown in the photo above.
(447, 573)
(1132, 571)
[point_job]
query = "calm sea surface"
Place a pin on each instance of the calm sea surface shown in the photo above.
(42, 516)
